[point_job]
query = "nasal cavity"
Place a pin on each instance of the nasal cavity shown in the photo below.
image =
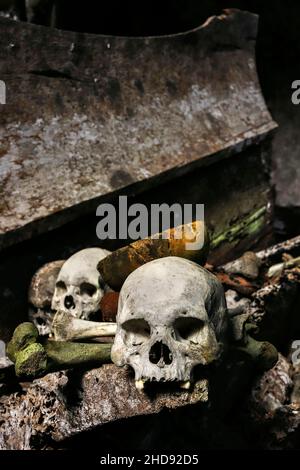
(69, 302)
(160, 354)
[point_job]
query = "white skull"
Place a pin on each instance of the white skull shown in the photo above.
(171, 317)
(79, 287)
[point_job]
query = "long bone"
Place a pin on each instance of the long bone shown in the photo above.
(33, 358)
(68, 328)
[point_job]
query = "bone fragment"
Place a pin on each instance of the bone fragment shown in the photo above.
(277, 269)
(68, 328)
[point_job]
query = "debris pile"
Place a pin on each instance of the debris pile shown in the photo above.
(145, 320)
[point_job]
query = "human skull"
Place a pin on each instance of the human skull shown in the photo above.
(171, 317)
(79, 287)
(40, 295)
(42, 320)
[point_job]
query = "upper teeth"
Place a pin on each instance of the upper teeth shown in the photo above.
(139, 384)
(185, 385)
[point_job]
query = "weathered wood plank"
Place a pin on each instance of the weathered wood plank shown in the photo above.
(106, 395)
(88, 115)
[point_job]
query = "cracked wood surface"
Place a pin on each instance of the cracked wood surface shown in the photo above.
(61, 405)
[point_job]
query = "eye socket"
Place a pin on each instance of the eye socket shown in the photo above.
(61, 286)
(137, 325)
(188, 328)
(87, 289)
(136, 331)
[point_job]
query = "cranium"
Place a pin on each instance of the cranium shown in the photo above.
(40, 295)
(171, 317)
(42, 320)
(79, 286)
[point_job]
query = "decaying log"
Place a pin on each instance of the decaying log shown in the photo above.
(270, 414)
(271, 390)
(274, 253)
(274, 309)
(43, 413)
(274, 306)
(271, 411)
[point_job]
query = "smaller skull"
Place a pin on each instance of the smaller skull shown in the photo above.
(79, 287)
(42, 320)
(171, 317)
(40, 296)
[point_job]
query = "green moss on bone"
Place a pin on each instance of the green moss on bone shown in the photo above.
(26, 333)
(31, 362)
(262, 353)
(62, 354)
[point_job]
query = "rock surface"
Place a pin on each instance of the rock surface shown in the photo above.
(62, 404)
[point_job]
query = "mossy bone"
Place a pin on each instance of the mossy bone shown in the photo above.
(33, 359)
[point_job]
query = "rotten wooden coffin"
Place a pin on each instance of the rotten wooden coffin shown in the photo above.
(90, 116)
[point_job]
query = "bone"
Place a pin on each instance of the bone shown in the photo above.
(163, 328)
(236, 305)
(33, 359)
(139, 384)
(64, 354)
(68, 328)
(40, 296)
(24, 335)
(185, 385)
(26, 352)
(262, 354)
(79, 288)
(277, 269)
(43, 284)
(38, 359)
